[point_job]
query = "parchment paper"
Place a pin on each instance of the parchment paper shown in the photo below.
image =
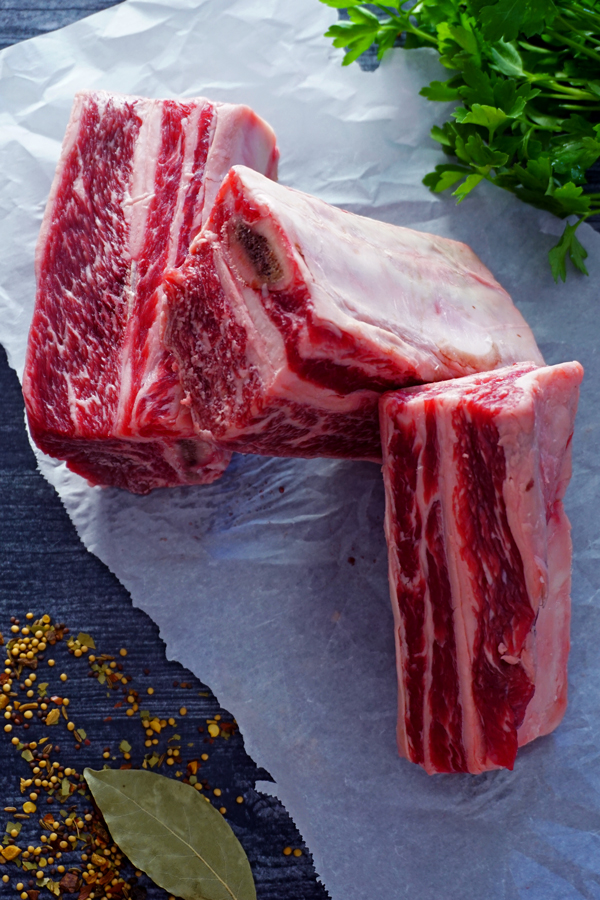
(252, 588)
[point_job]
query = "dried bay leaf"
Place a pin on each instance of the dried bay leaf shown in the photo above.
(169, 831)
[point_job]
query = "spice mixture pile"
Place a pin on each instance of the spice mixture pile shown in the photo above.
(56, 841)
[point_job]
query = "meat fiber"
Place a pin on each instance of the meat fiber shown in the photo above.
(134, 184)
(290, 317)
(480, 561)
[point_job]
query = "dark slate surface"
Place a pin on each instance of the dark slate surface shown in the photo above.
(22, 19)
(44, 568)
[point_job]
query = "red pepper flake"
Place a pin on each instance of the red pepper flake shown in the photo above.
(69, 883)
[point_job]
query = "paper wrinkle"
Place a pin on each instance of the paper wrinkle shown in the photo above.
(279, 600)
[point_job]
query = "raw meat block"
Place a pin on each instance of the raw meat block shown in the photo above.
(134, 184)
(290, 317)
(479, 545)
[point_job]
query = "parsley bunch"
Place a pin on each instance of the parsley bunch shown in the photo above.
(526, 76)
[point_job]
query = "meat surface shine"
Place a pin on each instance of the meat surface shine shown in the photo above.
(475, 470)
(134, 184)
(290, 317)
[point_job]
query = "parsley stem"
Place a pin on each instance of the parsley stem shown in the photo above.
(563, 39)
(576, 106)
(578, 9)
(408, 26)
(584, 34)
(559, 96)
(562, 90)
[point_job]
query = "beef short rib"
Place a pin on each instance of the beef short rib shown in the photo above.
(134, 184)
(480, 561)
(290, 317)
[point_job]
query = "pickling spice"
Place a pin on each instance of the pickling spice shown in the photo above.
(73, 852)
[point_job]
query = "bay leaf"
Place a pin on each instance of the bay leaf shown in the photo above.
(168, 830)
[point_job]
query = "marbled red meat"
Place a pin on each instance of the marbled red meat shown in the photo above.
(290, 317)
(479, 545)
(134, 184)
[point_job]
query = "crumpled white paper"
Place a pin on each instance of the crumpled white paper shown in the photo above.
(252, 586)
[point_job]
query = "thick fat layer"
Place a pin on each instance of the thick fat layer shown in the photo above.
(409, 302)
(473, 521)
(134, 183)
(329, 310)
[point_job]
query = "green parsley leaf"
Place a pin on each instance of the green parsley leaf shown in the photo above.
(439, 90)
(506, 18)
(489, 116)
(524, 75)
(467, 186)
(570, 246)
(444, 177)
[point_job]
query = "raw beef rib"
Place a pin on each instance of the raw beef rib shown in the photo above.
(480, 561)
(290, 317)
(134, 184)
